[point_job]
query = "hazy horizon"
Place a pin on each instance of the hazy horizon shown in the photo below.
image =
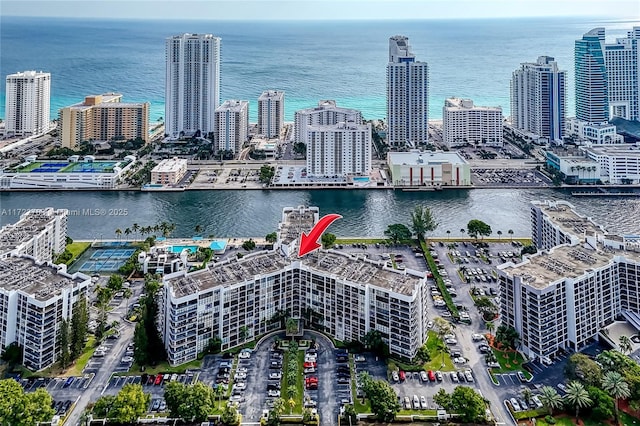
(317, 10)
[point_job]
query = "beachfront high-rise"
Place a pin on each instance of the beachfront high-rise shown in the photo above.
(407, 95)
(192, 83)
(538, 98)
(27, 103)
(326, 113)
(341, 149)
(465, 123)
(592, 98)
(232, 126)
(622, 60)
(271, 113)
(103, 118)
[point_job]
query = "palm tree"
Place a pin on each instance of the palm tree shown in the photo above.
(292, 403)
(510, 232)
(499, 234)
(127, 293)
(127, 232)
(135, 227)
(198, 229)
(448, 234)
(118, 233)
(442, 327)
(462, 231)
(577, 396)
(616, 387)
(625, 345)
(550, 399)
(278, 406)
(490, 327)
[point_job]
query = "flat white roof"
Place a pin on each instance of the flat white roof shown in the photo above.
(423, 158)
(170, 165)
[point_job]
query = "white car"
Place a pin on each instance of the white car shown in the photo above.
(240, 376)
(514, 404)
(449, 336)
(244, 355)
(127, 359)
(274, 393)
(359, 358)
(562, 387)
(423, 402)
(459, 360)
(536, 401)
(240, 385)
(451, 341)
(454, 377)
(430, 325)
(394, 376)
(310, 358)
(438, 376)
(275, 375)
(242, 370)
(477, 337)
(468, 376)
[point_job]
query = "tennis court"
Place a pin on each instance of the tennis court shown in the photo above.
(107, 260)
(112, 254)
(48, 167)
(112, 244)
(90, 167)
(99, 266)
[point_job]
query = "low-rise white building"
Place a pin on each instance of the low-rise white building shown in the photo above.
(232, 126)
(617, 164)
(52, 175)
(34, 299)
(38, 233)
(341, 149)
(464, 123)
(169, 171)
(428, 168)
(161, 260)
(594, 133)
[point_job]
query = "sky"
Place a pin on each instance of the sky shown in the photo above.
(320, 9)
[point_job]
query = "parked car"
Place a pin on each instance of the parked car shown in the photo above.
(536, 401)
(359, 358)
(423, 376)
(416, 402)
(454, 377)
(158, 379)
(395, 376)
(407, 403)
(402, 375)
(439, 376)
(468, 376)
(514, 404)
(155, 405)
(276, 375)
(432, 377)
(163, 405)
(274, 393)
(423, 403)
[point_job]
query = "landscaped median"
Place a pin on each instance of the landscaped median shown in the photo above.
(439, 282)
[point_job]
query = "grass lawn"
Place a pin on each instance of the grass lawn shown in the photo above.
(433, 342)
(418, 413)
(76, 368)
(359, 240)
(78, 247)
(625, 419)
(297, 409)
(163, 367)
(509, 362)
(357, 402)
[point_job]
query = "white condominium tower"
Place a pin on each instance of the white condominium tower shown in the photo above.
(341, 149)
(623, 60)
(271, 113)
(192, 85)
(232, 126)
(592, 99)
(538, 98)
(407, 95)
(326, 113)
(28, 96)
(463, 122)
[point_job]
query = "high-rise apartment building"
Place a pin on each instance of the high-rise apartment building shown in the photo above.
(192, 84)
(341, 149)
(538, 98)
(622, 60)
(271, 113)
(465, 123)
(326, 113)
(232, 126)
(39, 233)
(578, 283)
(239, 299)
(592, 96)
(27, 103)
(103, 118)
(34, 300)
(407, 95)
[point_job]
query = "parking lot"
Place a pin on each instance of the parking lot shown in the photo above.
(507, 177)
(404, 256)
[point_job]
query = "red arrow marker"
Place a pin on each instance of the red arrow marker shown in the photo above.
(309, 242)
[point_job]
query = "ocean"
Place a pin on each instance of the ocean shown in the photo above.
(310, 61)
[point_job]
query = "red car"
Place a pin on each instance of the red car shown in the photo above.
(311, 379)
(432, 376)
(402, 376)
(158, 379)
(310, 364)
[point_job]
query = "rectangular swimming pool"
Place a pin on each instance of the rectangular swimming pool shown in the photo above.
(178, 249)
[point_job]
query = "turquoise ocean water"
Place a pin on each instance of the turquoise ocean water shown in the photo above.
(309, 61)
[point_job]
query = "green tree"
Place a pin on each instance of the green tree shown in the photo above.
(328, 239)
(249, 245)
(174, 395)
(63, 338)
(79, 326)
(103, 405)
(477, 228)
(149, 304)
(115, 283)
(141, 344)
(468, 403)
(442, 398)
(230, 416)
(398, 232)
(374, 342)
(129, 404)
(581, 367)
(550, 398)
(510, 232)
(18, 408)
(271, 237)
(266, 174)
(12, 355)
(490, 326)
(528, 249)
(383, 399)
(350, 415)
(603, 404)
(577, 396)
(616, 387)
(625, 345)
(508, 337)
(422, 221)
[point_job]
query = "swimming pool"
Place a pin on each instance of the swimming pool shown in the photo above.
(361, 179)
(178, 249)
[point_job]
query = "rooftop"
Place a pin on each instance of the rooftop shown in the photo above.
(233, 105)
(170, 165)
(30, 224)
(458, 104)
(328, 105)
(296, 221)
(424, 158)
(615, 150)
(563, 215)
(23, 274)
(540, 270)
(339, 265)
(271, 94)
